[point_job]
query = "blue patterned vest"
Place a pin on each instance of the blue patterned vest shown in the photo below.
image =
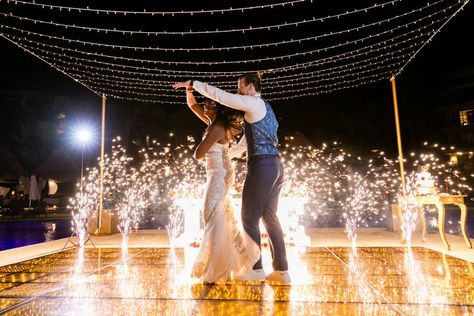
(262, 135)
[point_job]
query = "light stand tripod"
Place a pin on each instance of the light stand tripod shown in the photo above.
(76, 244)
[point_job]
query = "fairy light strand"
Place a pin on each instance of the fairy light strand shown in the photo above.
(339, 45)
(192, 49)
(291, 96)
(320, 62)
(214, 74)
(320, 88)
(335, 69)
(282, 82)
(383, 50)
(217, 31)
(268, 90)
(244, 61)
(162, 13)
(431, 37)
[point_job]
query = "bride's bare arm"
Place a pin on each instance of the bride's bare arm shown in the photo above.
(216, 133)
(196, 107)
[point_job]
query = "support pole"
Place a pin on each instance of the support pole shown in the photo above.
(399, 137)
(101, 167)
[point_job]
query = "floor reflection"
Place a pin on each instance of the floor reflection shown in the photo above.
(345, 281)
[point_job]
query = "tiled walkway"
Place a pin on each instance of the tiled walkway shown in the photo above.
(153, 281)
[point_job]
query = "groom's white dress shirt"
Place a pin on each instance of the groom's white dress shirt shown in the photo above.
(253, 106)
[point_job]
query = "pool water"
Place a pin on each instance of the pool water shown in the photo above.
(27, 232)
(22, 233)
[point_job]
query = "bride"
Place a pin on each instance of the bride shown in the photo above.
(226, 249)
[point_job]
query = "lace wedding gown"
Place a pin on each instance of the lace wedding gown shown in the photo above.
(226, 248)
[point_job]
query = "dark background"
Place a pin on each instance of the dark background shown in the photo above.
(38, 101)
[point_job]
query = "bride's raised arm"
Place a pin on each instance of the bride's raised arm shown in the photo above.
(195, 107)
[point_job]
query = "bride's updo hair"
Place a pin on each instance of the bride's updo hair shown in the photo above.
(255, 79)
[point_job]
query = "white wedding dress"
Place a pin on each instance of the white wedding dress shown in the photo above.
(226, 248)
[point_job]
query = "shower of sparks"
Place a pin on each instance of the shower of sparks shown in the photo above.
(130, 186)
(84, 205)
(446, 178)
(327, 181)
(79, 283)
(410, 213)
(359, 281)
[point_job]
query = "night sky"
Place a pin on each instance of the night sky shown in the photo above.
(361, 117)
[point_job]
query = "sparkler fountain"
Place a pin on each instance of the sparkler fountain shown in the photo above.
(83, 205)
(319, 182)
(444, 179)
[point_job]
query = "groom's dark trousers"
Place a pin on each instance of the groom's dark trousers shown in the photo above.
(260, 200)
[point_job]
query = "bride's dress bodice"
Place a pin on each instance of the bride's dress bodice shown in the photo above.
(219, 167)
(220, 176)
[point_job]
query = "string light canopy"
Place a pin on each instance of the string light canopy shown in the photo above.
(134, 51)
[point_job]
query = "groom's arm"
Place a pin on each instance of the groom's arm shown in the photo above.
(238, 149)
(253, 106)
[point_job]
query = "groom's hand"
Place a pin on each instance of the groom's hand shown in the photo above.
(186, 84)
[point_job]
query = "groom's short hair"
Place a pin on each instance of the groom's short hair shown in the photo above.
(253, 78)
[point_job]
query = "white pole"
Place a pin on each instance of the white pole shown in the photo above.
(399, 137)
(101, 167)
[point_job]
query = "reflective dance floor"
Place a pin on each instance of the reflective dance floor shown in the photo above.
(154, 281)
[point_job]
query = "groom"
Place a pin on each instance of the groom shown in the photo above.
(264, 173)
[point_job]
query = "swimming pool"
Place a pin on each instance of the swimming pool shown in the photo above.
(27, 232)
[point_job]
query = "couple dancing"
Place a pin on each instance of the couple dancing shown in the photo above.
(228, 251)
